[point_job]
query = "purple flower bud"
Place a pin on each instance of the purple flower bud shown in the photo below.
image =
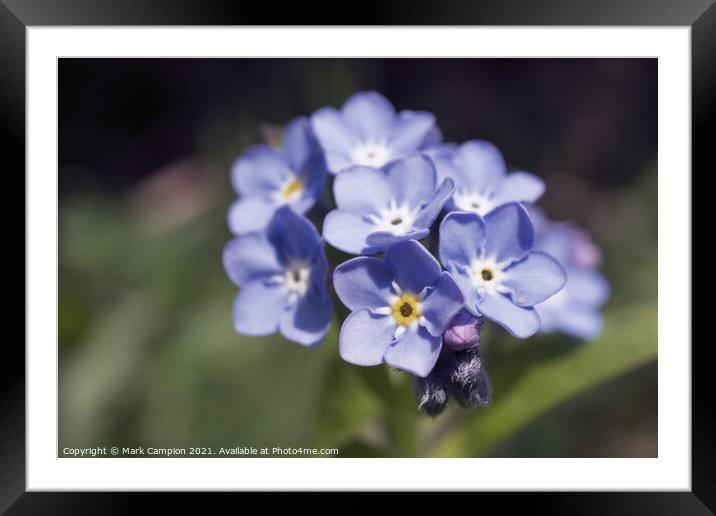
(463, 332)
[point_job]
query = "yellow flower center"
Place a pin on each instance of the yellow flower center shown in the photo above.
(406, 309)
(292, 189)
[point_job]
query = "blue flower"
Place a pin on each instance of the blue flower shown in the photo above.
(481, 182)
(439, 150)
(433, 143)
(282, 276)
(500, 275)
(400, 305)
(266, 178)
(377, 208)
(434, 147)
(574, 310)
(368, 132)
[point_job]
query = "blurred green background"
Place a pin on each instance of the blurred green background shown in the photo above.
(147, 352)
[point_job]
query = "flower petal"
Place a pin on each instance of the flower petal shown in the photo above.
(293, 235)
(364, 337)
(308, 322)
(250, 257)
(319, 273)
(260, 171)
(411, 130)
(349, 232)
(416, 352)
(370, 115)
(337, 162)
(534, 278)
(250, 214)
(431, 210)
(553, 239)
(444, 151)
(303, 204)
(465, 181)
(299, 142)
(412, 265)
(587, 287)
(412, 181)
(472, 297)
(313, 175)
(363, 282)
(432, 140)
(446, 169)
(383, 239)
(441, 304)
(518, 186)
(482, 165)
(258, 308)
(521, 322)
(362, 190)
(332, 132)
(509, 233)
(462, 237)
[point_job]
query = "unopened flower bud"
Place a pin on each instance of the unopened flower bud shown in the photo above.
(469, 382)
(457, 374)
(463, 332)
(432, 394)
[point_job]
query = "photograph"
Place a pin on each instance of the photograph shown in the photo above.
(357, 257)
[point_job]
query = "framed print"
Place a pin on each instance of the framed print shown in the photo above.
(453, 255)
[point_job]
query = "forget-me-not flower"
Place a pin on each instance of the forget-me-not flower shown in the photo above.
(481, 181)
(368, 132)
(433, 145)
(400, 305)
(574, 310)
(500, 275)
(266, 178)
(377, 208)
(282, 275)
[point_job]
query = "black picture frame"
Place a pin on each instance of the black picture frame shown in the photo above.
(17, 15)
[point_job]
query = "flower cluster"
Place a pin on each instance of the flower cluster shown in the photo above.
(443, 237)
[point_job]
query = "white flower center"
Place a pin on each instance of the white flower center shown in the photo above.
(371, 155)
(471, 201)
(296, 277)
(488, 276)
(397, 220)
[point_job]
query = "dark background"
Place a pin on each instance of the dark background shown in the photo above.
(123, 119)
(147, 353)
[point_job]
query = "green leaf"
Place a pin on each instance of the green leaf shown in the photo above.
(629, 340)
